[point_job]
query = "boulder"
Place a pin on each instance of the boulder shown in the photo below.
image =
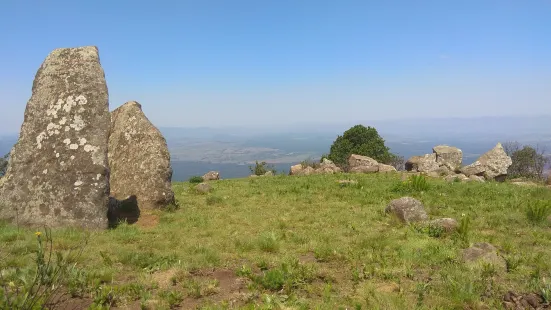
(447, 224)
(426, 163)
(362, 164)
(268, 174)
(296, 169)
(386, 168)
(493, 165)
(139, 159)
(448, 156)
(58, 170)
(328, 167)
(307, 171)
(483, 253)
(407, 209)
(203, 188)
(361, 161)
(211, 176)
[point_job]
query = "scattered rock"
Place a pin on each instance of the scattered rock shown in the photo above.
(407, 209)
(328, 167)
(139, 159)
(58, 170)
(301, 170)
(269, 173)
(425, 163)
(211, 176)
(492, 165)
(296, 169)
(203, 188)
(483, 252)
(448, 156)
(447, 224)
(386, 168)
(361, 161)
(514, 301)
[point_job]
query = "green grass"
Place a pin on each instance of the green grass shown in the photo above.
(307, 242)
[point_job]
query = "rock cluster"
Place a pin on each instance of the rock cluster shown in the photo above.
(446, 161)
(72, 153)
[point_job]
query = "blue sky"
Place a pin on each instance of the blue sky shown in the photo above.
(275, 63)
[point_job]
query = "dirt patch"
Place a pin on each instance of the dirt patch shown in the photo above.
(164, 278)
(307, 258)
(148, 220)
(66, 302)
(229, 288)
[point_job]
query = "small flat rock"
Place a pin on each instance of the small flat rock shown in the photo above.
(407, 209)
(139, 158)
(483, 252)
(211, 176)
(386, 168)
(447, 224)
(58, 170)
(203, 187)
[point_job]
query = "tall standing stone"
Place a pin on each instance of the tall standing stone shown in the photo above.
(58, 172)
(139, 159)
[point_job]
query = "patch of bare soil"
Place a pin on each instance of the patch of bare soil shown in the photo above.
(148, 220)
(231, 288)
(66, 302)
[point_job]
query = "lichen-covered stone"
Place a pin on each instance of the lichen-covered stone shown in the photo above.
(139, 159)
(58, 170)
(211, 176)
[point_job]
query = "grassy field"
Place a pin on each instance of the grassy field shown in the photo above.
(302, 243)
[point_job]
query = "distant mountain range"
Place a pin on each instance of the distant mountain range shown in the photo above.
(232, 149)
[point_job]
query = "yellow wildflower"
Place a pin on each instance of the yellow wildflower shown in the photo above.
(11, 284)
(38, 233)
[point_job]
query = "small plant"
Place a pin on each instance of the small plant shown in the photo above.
(538, 211)
(269, 242)
(51, 273)
(463, 231)
(196, 179)
(173, 298)
(419, 183)
(260, 168)
(414, 183)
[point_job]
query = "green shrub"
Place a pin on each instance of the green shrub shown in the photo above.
(196, 179)
(464, 229)
(360, 140)
(414, 183)
(538, 211)
(260, 168)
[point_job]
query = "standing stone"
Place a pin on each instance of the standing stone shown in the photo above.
(139, 159)
(493, 165)
(448, 156)
(58, 171)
